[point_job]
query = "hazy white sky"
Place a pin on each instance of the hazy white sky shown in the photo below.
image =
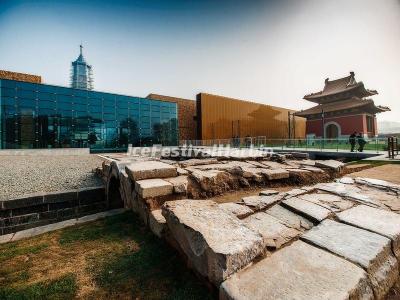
(272, 52)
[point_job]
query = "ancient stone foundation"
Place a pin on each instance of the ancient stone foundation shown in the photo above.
(335, 240)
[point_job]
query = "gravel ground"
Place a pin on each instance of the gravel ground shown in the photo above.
(20, 175)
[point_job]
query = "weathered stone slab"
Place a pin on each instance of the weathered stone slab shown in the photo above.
(157, 223)
(369, 250)
(330, 164)
(332, 202)
(269, 192)
(198, 162)
(253, 173)
(261, 202)
(308, 209)
(299, 271)
(181, 171)
(240, 211)
(307, 162)
(345, 180)
(313, 169)
(274, 232)
(289, 218)
(211, 179)
(378, 183)
(149, 170)
(295, 193)
(180, 184)
(275, 174)
(216, 243)
(148, 188)
(272, 164)
(383, 222)
(349, 191)
(297, 172)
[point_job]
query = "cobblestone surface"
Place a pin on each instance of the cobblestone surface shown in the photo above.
(20, 175)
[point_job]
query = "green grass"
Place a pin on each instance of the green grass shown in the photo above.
(118, 254)
(11, 250)
(61, 288)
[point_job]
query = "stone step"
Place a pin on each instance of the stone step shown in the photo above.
(308, 209)
(150, 188)
(216, 243)
(369, 250)
(383, 222)
(149, 170)
(299, 271)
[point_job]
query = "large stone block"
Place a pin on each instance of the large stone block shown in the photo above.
(330, 164)
(180, 184)
(275, 174)
(239, 211)
(299, 271)
(149, 170)
(308, 209)
(216, 243)
(383, 222)
(369, 250)
(157, 223)
(274, 232)
(149, 188)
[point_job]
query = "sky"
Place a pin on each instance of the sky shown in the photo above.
(271, 52)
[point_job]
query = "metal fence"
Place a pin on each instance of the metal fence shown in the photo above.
(377, 145)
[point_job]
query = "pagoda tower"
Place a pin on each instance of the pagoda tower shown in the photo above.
(81, 73)
(342, 108)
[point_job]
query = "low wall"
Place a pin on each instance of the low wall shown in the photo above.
(40, 152)
(44, 208)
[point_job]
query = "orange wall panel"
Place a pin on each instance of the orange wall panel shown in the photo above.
(223, 118)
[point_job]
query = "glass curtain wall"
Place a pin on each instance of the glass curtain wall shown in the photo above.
(44, 116)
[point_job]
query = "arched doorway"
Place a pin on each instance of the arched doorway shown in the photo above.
(331, 131)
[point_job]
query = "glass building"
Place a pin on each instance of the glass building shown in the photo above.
(45, 116)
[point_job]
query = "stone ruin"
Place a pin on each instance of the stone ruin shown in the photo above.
(330, 240)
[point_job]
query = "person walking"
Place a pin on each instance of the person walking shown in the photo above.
(361, 142)
(352, 140)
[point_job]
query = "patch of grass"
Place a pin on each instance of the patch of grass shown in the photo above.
(154, 271)
(64, 287)
(112, 228)
(10, 250)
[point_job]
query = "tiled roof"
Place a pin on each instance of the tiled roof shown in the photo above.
(342, 105)
(340, 85)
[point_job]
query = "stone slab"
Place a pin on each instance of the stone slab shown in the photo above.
(239, 211)
(149, 170)
(289, 218)
(269, 192)
(216, 243)
(275, 174)
(383, 222)
(334, 203)
(330, 164)
(149, 188)
(157, 223)
(257, 203)
(378, 183)
(308, 209)
(299, 271)
(274, 232)
(369, 250)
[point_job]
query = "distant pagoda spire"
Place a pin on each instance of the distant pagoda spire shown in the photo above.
(81, 73)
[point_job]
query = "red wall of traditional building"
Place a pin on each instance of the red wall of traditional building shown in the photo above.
(348, 125)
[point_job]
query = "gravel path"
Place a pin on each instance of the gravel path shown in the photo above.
(21, 175)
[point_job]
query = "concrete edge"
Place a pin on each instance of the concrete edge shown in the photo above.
(28, 233)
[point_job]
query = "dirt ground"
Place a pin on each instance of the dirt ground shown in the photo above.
(389, 172)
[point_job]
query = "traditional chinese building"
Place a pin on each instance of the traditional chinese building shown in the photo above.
(343, 107)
